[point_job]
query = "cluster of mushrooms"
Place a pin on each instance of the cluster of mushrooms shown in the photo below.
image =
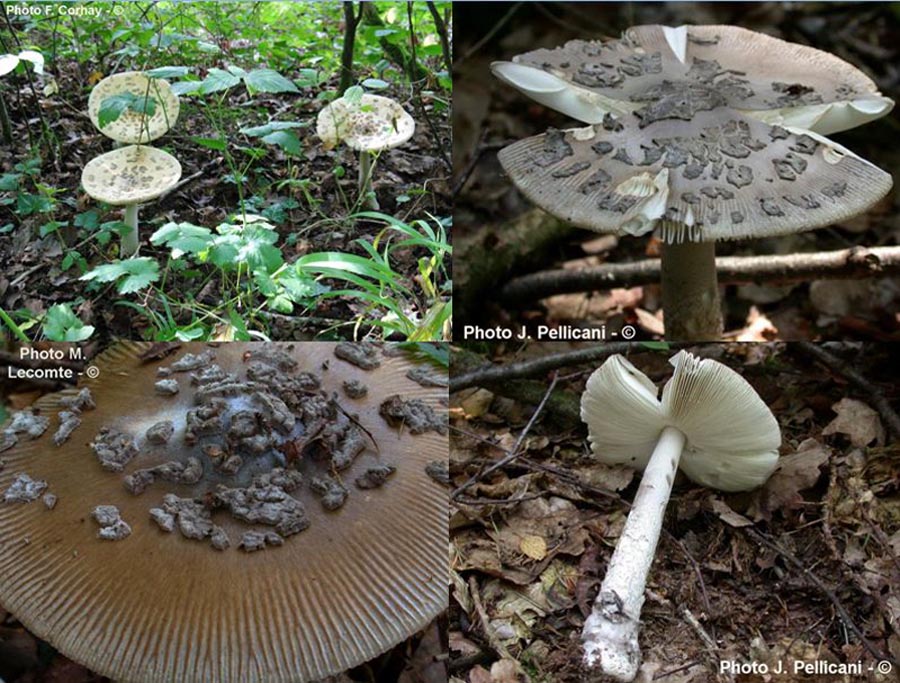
(131, 175)
(369, 125)
(712, 425)
(234, 512)
(698, 134)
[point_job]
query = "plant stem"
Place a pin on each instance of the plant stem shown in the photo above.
(366, 194)
(610, 634)
(130, 241)
(690, 292)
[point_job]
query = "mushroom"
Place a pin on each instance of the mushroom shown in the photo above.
(699, 133)
(132, 127)
(369, 125)
(713, 425)
(130, 176)
(242, 575)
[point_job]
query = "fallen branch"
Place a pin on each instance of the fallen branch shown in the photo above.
(846, 264)
(494, 374)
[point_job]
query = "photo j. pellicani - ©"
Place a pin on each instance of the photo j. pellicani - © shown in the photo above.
(699, 133)
(713, 425)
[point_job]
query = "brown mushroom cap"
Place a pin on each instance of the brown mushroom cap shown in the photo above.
(372, 124)
(160, 607)
(685, 142)
(132, 127)
(130, 175)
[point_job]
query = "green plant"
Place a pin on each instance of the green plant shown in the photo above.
(417, 310)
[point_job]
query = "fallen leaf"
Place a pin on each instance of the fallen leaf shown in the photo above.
(477, 403)
(534, 547)
(729, 516)
(759, 328)
(795, 472)
(859, 422)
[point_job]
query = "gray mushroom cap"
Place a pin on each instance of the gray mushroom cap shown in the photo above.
(687, 134)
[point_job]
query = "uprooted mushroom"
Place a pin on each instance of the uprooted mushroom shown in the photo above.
(699, 134)
(132, 108)
(227, 513)
(368, 124)
(713, 426)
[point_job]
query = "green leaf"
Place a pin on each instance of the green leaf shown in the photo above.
(374, 84)
(112, 107)
(130, 276)
(308, 78)
(269, 80)
(236, 71)
(183, 238)
(353, 94)
(211, 143)
(168, 72)
(271, 127)
(217, 80)
(285, 139)
(186, 87)
(50, 227)
(9, 182)
(61, 324)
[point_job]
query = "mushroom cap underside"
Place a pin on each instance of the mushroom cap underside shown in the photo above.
(660, 72)
(722, 175)
(372, 124)
(732, 438)
(132, 127)
(161, 607)
(130, 175)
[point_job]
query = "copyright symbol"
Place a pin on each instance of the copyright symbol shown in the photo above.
(884, 667)
(628, 332)
(118, 10)
(92, 371)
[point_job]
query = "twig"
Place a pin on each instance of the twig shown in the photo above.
(873, 393)
(817, 582)
(514, 453)
(493, 374)
(845, 264)
(492, 638)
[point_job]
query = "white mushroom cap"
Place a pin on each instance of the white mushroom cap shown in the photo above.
(765, 77)
(132, 127)
(130, 175)
(732, 438)
(371, 124)
(702, 133)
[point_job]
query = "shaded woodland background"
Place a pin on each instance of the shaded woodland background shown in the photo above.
(500, 235)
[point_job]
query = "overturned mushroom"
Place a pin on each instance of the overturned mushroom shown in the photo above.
(369, 125)
(710, 423)
(130, 176)
(243, 574)
(147, 107)
(699, 133)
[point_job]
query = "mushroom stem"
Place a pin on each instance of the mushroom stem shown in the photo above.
(610, 633)
(690, 292)
(369, 201)
(130, 241)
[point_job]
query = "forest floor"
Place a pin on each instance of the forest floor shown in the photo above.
(490, 115)
(308, 196)
(802, 569)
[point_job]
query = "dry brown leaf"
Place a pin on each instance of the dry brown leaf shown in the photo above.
(727, 515)
(795, 472)
(759, 328)
(477, 403)
(859, 422)
(505, 671)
